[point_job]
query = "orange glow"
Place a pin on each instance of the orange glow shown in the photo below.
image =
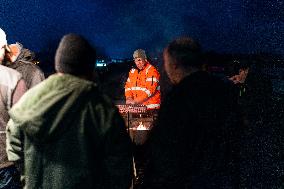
(141, 127)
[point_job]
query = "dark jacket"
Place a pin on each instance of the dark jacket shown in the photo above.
(194, 142)
(73, 135)
(31, 73)
(262, 140)
(255, 93)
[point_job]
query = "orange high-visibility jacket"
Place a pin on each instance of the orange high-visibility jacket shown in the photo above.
(144, 87)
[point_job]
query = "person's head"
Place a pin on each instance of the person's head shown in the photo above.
(140, 58)
(75, 56)
(15, 51)
(3, 45)
(182, 56)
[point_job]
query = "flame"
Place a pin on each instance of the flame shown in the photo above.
(141, 127)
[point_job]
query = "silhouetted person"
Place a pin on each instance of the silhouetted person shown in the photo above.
(73, 135)
(255, 89)
(261, 143)
(194, 141)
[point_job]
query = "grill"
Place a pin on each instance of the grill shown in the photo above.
(139, 121)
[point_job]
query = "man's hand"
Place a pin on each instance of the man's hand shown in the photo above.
(235, 79)
(130, 101)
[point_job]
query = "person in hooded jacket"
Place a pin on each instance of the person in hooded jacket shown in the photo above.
(74, 136)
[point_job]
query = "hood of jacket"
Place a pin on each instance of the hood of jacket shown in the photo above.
(48, 109)
(26, 55)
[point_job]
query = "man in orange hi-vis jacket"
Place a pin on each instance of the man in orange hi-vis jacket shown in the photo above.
(142, 86)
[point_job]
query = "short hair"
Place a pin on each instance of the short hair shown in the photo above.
(185, 51)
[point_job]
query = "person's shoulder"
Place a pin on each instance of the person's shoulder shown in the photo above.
(133, 70)
(29, 64)
(8, 74)
(7, 70)
(29, 67)
(153, 68)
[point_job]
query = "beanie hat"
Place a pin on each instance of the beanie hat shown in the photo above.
(3, 40)
(74, 55)
(139, 53)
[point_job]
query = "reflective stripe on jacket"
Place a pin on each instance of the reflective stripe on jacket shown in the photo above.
(144, 87)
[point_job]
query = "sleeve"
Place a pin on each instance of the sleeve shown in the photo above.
(127, 88)
(118, 154)
(153, 81)
(14, 146)
(19, 91)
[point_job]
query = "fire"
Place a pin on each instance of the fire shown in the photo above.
(141, 127)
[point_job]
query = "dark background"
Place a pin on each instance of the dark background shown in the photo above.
(225, 28)
(118, 27)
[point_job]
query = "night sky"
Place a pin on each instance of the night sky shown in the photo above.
(118, 27)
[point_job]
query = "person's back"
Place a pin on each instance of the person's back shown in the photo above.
(74, 135)
(193, 124)
(68, 136)
(192, 144)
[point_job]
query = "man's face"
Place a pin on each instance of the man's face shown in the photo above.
(243, 75)
(140, 63)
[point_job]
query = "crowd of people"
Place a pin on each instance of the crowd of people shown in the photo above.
(64, 132)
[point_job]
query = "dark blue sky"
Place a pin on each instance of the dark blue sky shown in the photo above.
(118, 27)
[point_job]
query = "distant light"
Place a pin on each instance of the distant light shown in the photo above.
(100, 64)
